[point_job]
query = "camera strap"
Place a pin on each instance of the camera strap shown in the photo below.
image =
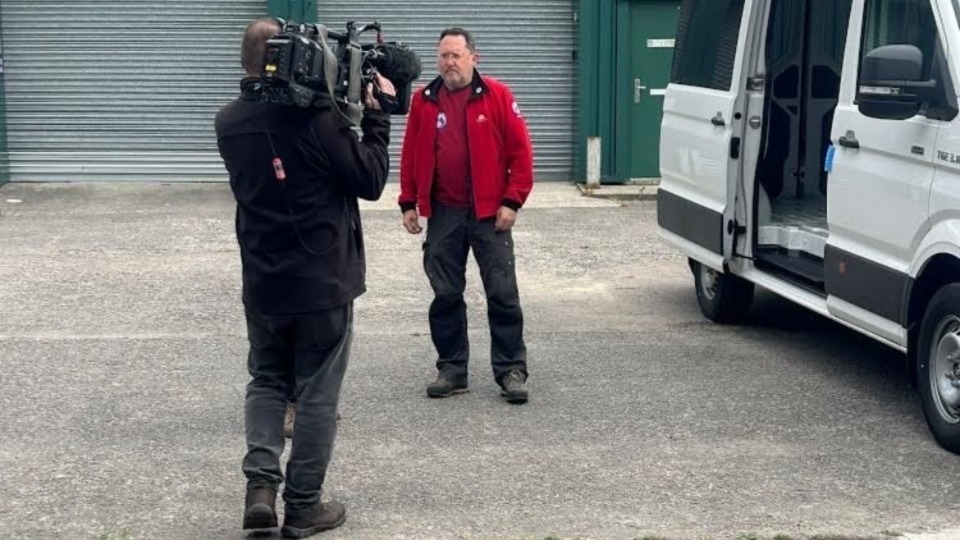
(331, 68)
(329, 61)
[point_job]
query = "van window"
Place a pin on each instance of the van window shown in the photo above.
(706, 47)
(912, 22)
(901, 22)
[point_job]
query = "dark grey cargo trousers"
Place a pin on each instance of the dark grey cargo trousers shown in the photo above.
(451, 234)
(306, 353)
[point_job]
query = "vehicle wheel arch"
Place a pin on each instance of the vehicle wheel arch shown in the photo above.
(937, 272)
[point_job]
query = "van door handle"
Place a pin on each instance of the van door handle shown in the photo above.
(718, 120)
(849, 140)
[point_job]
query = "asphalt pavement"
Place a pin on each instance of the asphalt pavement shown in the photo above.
(122, 373)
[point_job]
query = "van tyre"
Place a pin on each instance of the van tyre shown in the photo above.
(723, 298)
(938, 366)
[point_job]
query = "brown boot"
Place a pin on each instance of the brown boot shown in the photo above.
(310, 521)
(289, 420)
(261, 510)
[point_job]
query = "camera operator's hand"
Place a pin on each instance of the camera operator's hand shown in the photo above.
(411, 222)
(384, 86)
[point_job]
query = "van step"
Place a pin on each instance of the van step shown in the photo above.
(803, 267)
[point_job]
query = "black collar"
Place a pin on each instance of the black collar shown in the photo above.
(478, 87)
(251, 88)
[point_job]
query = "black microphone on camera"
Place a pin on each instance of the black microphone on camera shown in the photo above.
(397, 63)
(402, 67)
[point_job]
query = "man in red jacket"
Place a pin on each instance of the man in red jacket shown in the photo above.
(467, 166)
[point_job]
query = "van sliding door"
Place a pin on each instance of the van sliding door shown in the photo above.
(702, 127)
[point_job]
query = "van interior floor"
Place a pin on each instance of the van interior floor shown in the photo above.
(807, 212)
(792, 243)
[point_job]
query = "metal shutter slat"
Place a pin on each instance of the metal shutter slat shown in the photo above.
(527, 44)
(119, 90)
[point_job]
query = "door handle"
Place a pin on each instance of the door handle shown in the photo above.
(638, 89)
(718, 120)
(849, 140)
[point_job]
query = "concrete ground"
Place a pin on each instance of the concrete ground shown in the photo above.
(122, 373)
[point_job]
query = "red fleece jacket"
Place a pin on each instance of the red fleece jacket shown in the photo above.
(501, 156)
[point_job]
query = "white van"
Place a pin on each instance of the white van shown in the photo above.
(812, 147)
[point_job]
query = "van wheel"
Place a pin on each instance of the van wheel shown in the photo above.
(938, 366)
(723, 298)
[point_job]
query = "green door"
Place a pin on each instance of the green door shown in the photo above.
(645, 37)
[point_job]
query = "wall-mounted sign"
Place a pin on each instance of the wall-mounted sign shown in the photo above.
(661, 43)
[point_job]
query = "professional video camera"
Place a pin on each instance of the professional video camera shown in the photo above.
(302, 69)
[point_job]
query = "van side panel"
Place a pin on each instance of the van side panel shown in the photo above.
(879, 188)
(691, 221)
(864, 283)
(702, 128)
(694, 153)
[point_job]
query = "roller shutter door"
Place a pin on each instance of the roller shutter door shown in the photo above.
(526, 43)
(108, 90)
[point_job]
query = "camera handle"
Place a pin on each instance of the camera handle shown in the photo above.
(329, 59)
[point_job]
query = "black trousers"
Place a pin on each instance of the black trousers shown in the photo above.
(304, 355)
(451, 234)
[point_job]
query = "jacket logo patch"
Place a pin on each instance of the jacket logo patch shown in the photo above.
(481, 119)
(441, 120)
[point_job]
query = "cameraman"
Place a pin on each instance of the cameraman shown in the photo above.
(296, 174)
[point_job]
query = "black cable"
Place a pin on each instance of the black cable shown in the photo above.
(281, 177)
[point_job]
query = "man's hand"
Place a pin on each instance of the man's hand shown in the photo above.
(411, 222)
(506, 217)
(385, 87)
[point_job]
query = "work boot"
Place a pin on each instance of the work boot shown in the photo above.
(289, 419)
(261, 510)
(513, 388)
(443, 387)
(310, 521)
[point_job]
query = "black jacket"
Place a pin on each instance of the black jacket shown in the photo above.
(301, 242)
